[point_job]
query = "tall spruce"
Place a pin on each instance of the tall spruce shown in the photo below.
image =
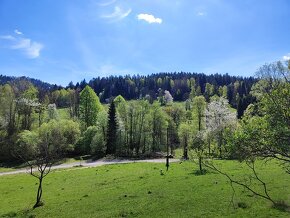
(112, 130)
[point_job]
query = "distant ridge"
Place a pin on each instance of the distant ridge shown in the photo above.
(36, 82)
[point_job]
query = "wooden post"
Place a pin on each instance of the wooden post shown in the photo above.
(167, 144)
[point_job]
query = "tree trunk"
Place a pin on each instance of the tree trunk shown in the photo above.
(185, 155)
(167, 150)
(39, 193)
(144, 144)
(220, 142)
(209, 146)
(200, 164)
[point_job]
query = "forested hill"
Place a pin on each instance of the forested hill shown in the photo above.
(180, 85)
(36, 82)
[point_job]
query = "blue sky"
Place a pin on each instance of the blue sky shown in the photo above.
(59, 41)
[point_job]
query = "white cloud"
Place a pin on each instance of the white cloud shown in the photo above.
(21, 44)
(18, 32)
(149, 18)
(33, 51)
(286, 57)
(118, 14)
(30, 48)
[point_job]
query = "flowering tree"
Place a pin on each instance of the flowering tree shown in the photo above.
(218, 117)
(52, 111)
(168, 97)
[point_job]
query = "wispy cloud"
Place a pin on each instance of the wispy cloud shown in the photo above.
(286, 57)
(200, 13)
(29, 47)
(118, 14)
(18, 32)
(149, 18)
(103, 4)
(8, 37)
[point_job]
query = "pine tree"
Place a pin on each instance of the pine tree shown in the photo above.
(240, 110)
(112, 130)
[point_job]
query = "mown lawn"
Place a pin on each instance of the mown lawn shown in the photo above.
(139, 190)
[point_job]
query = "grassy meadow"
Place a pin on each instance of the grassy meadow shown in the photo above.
(141, 190)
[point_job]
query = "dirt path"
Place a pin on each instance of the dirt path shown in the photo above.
(93, 164)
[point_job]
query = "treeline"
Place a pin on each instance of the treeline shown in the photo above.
(40, 85)
(180, 85)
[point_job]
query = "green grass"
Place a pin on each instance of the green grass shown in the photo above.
(4, 169)
(139, 190)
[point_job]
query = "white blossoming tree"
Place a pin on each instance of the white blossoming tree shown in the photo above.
(168, 97)
(218, 117)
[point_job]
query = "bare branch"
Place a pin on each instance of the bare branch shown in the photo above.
(265, 196)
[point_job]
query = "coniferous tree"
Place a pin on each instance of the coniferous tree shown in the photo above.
(112, 130)
(240, 110)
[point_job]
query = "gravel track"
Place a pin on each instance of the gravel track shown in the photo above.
(85, 164)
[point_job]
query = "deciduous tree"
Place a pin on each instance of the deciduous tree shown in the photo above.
(89, 106)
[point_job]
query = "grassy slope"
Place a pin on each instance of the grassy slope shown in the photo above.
(122, 191)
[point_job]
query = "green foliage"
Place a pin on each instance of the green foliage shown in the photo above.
(185, 132)
(61, 134)
(159, 126)
(119, 100)
(84, 145)
(267, 135)
(7, 110)
(30, 93)
(89, 106)
(27, 142)
(248, 138)
(42, 149)
(199, 105)
(93, 140)
(98, 144)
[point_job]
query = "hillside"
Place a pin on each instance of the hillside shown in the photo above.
(36, 82)
(180, 85)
